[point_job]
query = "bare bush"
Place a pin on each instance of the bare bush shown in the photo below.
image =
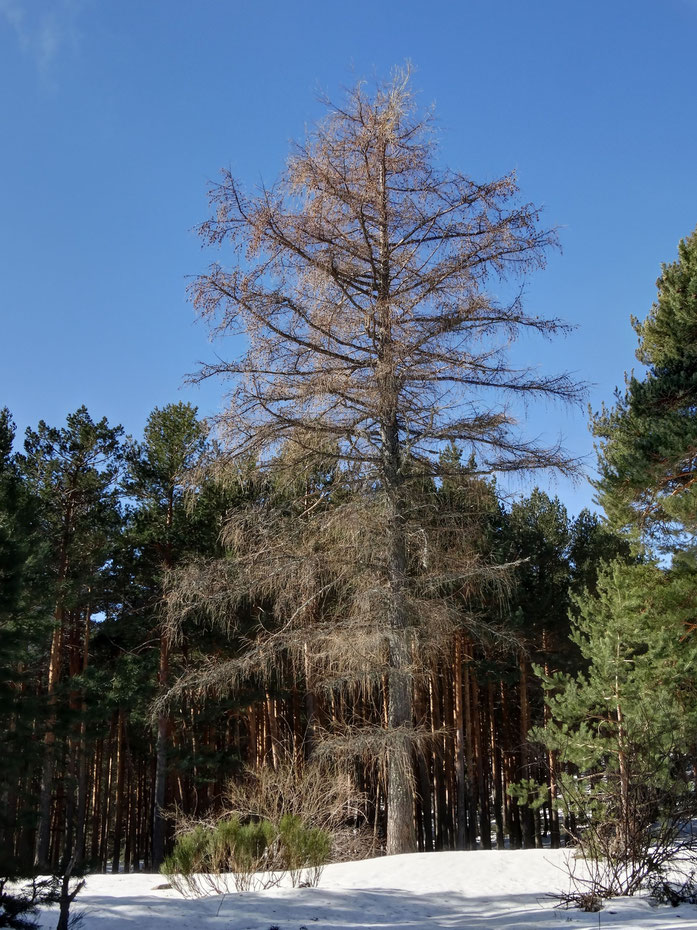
(320, 794)
(623, 848)
(287, 821)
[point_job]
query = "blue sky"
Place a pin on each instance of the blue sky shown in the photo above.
(117, 114)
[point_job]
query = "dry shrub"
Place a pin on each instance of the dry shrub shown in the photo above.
(276, 822)
(321, 795)
(622, 848)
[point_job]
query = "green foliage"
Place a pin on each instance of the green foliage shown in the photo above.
(624, 727)
(71, 474)
(638, 675)
(539, 533)
(593, 544)
(648, 439)
(25, 608)
(302, 847)
(529, 792)
(190, 853)
(241, 847)
(163, 525)
(19, 906)
(256, 853)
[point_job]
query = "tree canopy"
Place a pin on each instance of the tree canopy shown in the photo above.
(648, 439)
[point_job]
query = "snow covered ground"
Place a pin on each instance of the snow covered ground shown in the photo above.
(497, 890)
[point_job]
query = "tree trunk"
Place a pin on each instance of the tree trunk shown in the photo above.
(106, 796)
(554, 831)
(436, 763)
(43, 837)
(401, 835)
(120, 783)
(627, 826)
(270, 708)
(482, 766)
(96, 799)
(163, 721)
(469, 753)
(460, 774)
(82, 775)
(158, 819)
(425, 803)
(310, 711)
(495, 750)
(526, 813)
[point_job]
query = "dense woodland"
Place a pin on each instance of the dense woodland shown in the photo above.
(331, 575)
(92, 522)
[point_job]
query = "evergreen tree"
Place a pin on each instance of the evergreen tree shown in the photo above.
(648, 439)
(162, 531)
(593, 544)
(539, 531)
(626, 722)
(72, 472)
(24, 613)
(12, 554)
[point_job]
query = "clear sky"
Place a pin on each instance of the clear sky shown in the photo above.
(116, 115)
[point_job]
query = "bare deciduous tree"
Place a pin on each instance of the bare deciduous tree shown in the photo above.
(360, 282)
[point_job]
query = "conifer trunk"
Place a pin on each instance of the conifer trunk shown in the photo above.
(43, 839)
(460, 774)
(120, 785)
(526, 814)
(554, 829)
(401, 835)
(469, 753)
(496, 771)
(158, 821)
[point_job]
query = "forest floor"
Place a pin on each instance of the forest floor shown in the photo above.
(497, 890)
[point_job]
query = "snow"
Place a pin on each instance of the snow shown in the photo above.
(445, 891)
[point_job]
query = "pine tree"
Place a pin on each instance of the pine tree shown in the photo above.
(361, 284)
(540, 533)
(24, 612)
(626, 722)
(539, 530)
(163, 531)
(72, 472)
(593, 544)
(648, 439)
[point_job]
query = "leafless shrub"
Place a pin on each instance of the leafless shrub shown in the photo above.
(321, 794)
(623, 848)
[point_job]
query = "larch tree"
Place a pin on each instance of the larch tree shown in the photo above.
(360, 281)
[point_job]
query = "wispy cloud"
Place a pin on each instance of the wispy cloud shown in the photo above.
(43, 28)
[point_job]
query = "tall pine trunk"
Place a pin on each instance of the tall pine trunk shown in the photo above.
(460, 774)
(163, 721)
(43, 836)
(158, 820)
